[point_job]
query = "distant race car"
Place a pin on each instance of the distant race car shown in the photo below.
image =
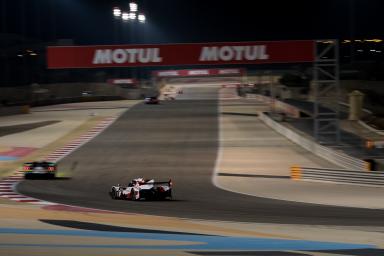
(151, 100)
(140, 189)
(40, 169)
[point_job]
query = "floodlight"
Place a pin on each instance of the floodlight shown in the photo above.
(141, 18)
(133, 7)
(125, 16)
(131, 16)
(116, 12)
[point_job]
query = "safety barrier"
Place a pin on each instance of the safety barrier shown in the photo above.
(338, 176)
(339, 158)
(14, 110)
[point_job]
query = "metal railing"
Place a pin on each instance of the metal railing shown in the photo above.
(338, 176)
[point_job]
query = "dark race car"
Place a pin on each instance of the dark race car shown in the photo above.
(141, 189)
(151, 100)
(41, 169)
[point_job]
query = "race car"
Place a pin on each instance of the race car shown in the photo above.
(151, 100)
(40, 169)
(143, 189)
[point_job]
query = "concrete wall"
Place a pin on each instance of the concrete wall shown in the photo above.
(69, 90)
(16, 100)
(33, 94)
(14, 110)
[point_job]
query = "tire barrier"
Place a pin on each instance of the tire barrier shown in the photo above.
(338, 176)
(339, 158)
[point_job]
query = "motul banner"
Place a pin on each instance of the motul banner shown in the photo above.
(199, 72)
(180, 54)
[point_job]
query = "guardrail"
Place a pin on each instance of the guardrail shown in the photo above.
(339, 158)
(338, 176)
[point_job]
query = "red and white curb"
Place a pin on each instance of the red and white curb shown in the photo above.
(8, 184)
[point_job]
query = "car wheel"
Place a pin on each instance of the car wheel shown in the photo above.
(133, 197)
(114, 194)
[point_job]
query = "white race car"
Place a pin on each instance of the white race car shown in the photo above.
(140, 188)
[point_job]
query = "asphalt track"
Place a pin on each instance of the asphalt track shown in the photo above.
(178, 140)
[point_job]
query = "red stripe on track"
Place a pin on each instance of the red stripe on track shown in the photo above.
(27, 200)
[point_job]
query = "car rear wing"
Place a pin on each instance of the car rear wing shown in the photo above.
(44, 162)
(169, 183)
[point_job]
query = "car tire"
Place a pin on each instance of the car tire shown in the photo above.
(133, 198)
(114, 194)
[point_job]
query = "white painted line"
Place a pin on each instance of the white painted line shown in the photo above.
(220, 146)
(17, 175)
(15, 196)
(76, 142)
(11, 181)
(43, 203)
(60, 153)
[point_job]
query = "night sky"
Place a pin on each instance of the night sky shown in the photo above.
(178, 21)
